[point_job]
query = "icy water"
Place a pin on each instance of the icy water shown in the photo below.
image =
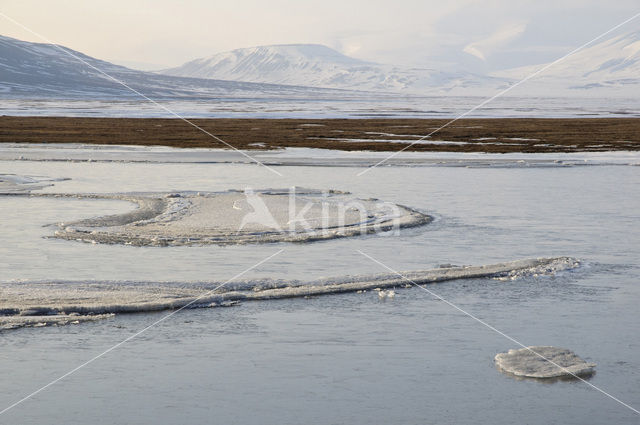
(349, 358)
(348, 104)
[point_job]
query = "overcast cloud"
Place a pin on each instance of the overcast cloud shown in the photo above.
(474, 35)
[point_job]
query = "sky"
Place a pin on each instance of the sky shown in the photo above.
(478, 36)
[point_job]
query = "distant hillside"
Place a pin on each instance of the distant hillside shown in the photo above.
(33, 70)
(45, 70)
(319, 66)
(611, 66)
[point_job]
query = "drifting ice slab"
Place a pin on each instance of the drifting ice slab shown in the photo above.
(543, 362)
(24, 303)
(234, 217)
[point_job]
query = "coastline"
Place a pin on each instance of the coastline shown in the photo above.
(490, 135)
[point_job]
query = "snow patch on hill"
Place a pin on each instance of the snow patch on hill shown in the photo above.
(612, 65)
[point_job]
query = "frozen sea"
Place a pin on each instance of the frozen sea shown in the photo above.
(346, 105)
(349, 358)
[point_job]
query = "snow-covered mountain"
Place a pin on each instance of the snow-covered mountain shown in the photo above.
(320, 66)
(608, 67)
(45, 70)
(303, 71)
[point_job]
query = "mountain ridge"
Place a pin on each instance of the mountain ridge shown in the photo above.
(613, 63)
(40, 69)
(320, 66)
(608, 68)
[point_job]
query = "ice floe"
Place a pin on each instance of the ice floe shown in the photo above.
(75, 152)
(14, 322)
(543, 362)
(60, 302)
(240, 217)
(13, 184)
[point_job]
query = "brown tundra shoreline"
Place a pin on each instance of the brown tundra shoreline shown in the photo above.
(495, 135)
